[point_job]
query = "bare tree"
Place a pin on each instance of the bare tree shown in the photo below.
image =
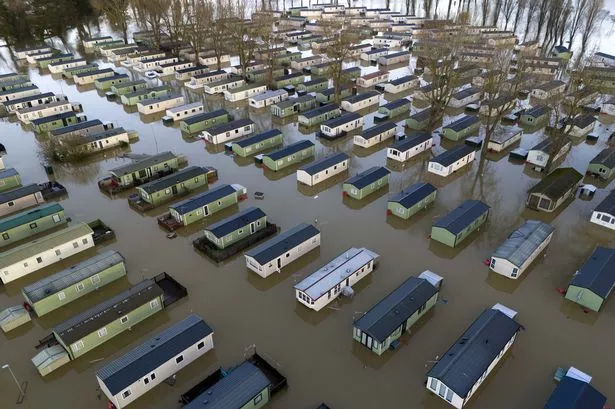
(153, 12)
(174, 23)
(200, 20)
(592, 20)
(448, 9)
(269, 41)
(519, 13)
(576, 21)
(427, 4)
(553, 22)
(497, 10)
(507, 10)
(240, 33)
(532, 5)
(484, 6)
(116, 12)
(543, 12)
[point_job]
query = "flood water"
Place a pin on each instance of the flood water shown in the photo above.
(315, 351)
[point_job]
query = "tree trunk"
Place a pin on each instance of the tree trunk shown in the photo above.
(448, 9)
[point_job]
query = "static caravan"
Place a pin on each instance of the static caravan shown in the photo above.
(108, 49)
(106, 83)
(419, 121)
(12, 201)
(411, 200)
(286, 58)
(251, 66)
(218, 87)
(89, 77)
(152, 64)
(451, 378)
(549, 89)
(306, 62)
(293, 106)
(26, 115)
(172, 67)
(28, 223)
(257, 143)
(338, 127)
(82, 128)
(59, 67)
(289, 155)
(243, 92)
(462, 128)
(128, 87)
(328, 95)
(262, 74)
(392, 109)
(376, 134)
(593, 283)
(133, 98)
(197, 207)
(212, 60)
(185, 74)
(603, 164)
(314, 85)
(140, 370)
(310, 13)
(497, 105)
(135, 58)
(323, 169)
(402, 57)
(200, 122)
(93, 142)
(390, 41)
(71, 72)
(459, 223)
(536, 115)
(12, 106)
(575, 389)
(318, 115)
(44, 62)
(465, 97)
(321, 69)
(182, 112)
(23, 53)
(18, 93)
(198, 81)
(227, 131)
(401, 84)
(360, 101)
(159, 104)
(369, 80)
(122, 54)
(367, 182)
(275, 254)
(15, 84)
(13, 76)
(581, 125)
(50, 123)
(357, 49)
(552, 191)
(539, 155)
(504, 137)
(9, 179)
(380, 328)
(338, 276)
(608, 107)
(236, 227)
(32, 58)
(448, 162)
(179, 183)
(521, 248)
(374, 54)
(295, 78)
(57, 290)
(144, 170)
(32, 256)
(414, 144)
(267, 98)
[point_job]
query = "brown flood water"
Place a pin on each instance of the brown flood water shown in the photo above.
(315, 351)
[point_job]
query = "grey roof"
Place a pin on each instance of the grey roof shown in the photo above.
(464, 93)
(548, 86)
(378, 129)
(537, 111)
(146, 91)
(289, 76)
(470, 356)
(453, 155)
(205, 116)
(463, 123)
(18, 90)
(186, 107)
(403, 80)
(235, 222)
(396, 104)
(367, 177)
(505, 133)
(263, 136)
(606, 157)
(270, 93)
(597, 274)
(421, 116)
(557, 183)
(148, 356)
(106, 312)
(28, 98)
(52, 118)
(144, 163)
(293, 101)
(572, 393)
(415, 138)
(55, 56)
(72, 275)
(398, 54)
(324, 163)
(462, 216)
(361, 97)
(203, 199)
(583, 121)
(102, 134)
(313, 113)
(523, 242)
(234, 390)
(316, 81)
(90, 73)
(337, 270)
(76, 127)
(289, 150)
(229, 126)
(342, 119)
(393, 310)
(111, 78)
(173, 179)
(413, 194)
(282, 243)
(160, 98)
(607, 205)
(376, 51)
(22, 191)
(7, 173)
(210, 74)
